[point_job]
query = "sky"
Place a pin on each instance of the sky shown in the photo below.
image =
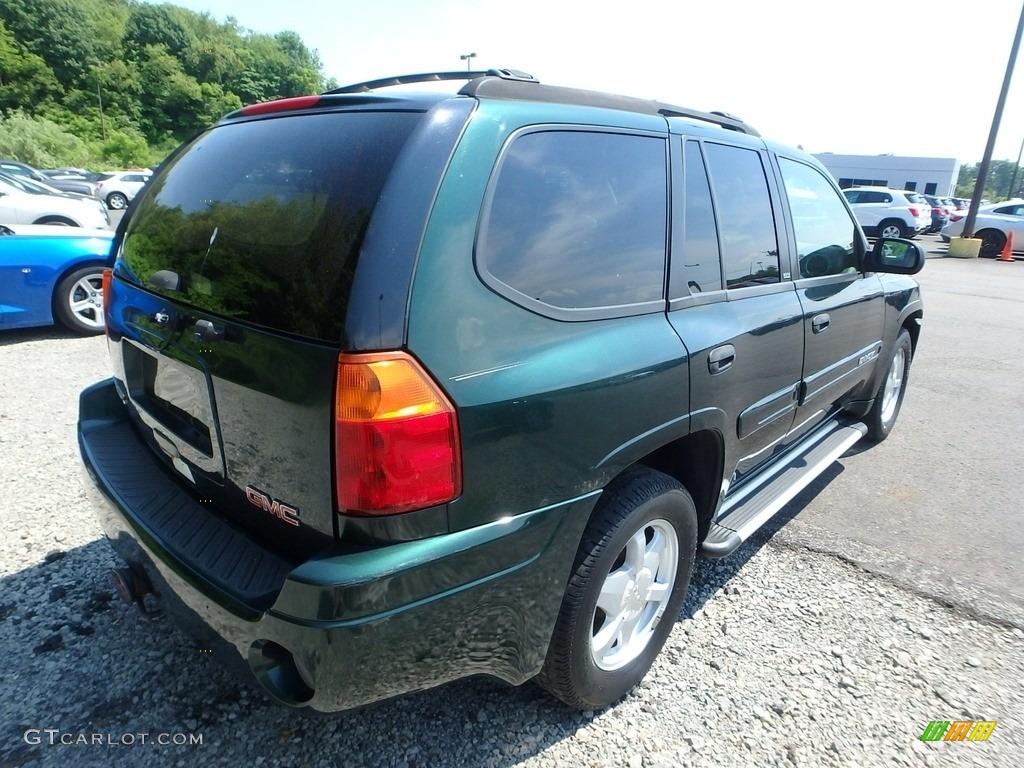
(871, 77)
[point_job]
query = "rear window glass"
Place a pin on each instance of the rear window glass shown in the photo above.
(262, 221)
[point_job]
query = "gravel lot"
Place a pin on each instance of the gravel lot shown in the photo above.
(781, 655)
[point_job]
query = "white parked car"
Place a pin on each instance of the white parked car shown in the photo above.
(884, 212)
(118, 188)
(994, 222)
(18, 205)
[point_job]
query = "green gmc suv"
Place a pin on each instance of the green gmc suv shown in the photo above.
(409, 387)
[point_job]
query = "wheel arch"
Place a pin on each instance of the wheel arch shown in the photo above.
(893, 220)
(55, 218)
(994, 235)
(912, 323)
(696, 460)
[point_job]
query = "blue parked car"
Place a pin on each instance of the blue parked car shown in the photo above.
(52, 274)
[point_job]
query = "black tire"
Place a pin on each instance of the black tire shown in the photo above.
(56, 221)
(116, 201)
(889, 397)
(78, 301)
(892, 228)
(640, 505)
(992, 242)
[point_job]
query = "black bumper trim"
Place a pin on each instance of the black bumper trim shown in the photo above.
(156, 507)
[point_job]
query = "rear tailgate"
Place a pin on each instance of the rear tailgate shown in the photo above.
(242, 415)
(228, 304)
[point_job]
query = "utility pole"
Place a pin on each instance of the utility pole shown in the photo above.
(99, 98)
(97, 68)
(1013, 178)
(986, 161)
(467, 57)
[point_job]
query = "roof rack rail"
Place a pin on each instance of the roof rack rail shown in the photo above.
(724, 119)
(434, 77)
(516, 85)
(509, 88)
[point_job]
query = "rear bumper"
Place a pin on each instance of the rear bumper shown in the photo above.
(347, 627)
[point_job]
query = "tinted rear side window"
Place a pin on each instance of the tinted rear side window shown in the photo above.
(262, 221)
(746, 223)
(697, 267)
(577, 220)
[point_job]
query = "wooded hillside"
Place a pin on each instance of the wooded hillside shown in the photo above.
(120, 82)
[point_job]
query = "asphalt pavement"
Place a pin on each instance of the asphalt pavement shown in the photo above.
(115, 218)
(937, 506)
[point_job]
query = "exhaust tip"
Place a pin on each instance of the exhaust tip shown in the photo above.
(130, 585)
(281, 673)
(123, 578)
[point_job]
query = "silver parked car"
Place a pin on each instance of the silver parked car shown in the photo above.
(81, 186)
(994, 224)
(118, 188)
(23, 201)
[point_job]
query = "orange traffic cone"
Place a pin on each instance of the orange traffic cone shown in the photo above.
(1007, 252)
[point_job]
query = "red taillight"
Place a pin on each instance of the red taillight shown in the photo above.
(914, 212)
(955, 217)
(939, 211)
(281, 105)
(396, 437)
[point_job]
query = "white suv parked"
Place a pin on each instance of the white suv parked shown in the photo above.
(118, 188)
(884, 212)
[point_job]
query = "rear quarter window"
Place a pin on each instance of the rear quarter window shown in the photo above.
(577, 220)
(262, 221)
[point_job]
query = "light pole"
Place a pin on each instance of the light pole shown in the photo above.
(97, 68)
(1013, 179)
(467, 57)
(99, 98)
(986, 160)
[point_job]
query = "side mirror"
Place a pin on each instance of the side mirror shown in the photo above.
(166, 280)
(898, 257)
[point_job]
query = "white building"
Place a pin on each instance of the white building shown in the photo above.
(929, 175)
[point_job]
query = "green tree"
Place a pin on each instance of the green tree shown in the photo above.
(40, 142)
(303, 72)
(109, 71)
(278, 66)
(59, 31)
(25, 79)
(171, 100)
(217, 51)
(125, 149)
(165, 25)
(997, 184)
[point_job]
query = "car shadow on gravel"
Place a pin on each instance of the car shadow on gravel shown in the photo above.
(45, 333)
(81, 661)
(710, 576)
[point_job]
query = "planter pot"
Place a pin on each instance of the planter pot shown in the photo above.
(964, 247)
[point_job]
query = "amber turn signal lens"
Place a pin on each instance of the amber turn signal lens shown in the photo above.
(396, 437)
